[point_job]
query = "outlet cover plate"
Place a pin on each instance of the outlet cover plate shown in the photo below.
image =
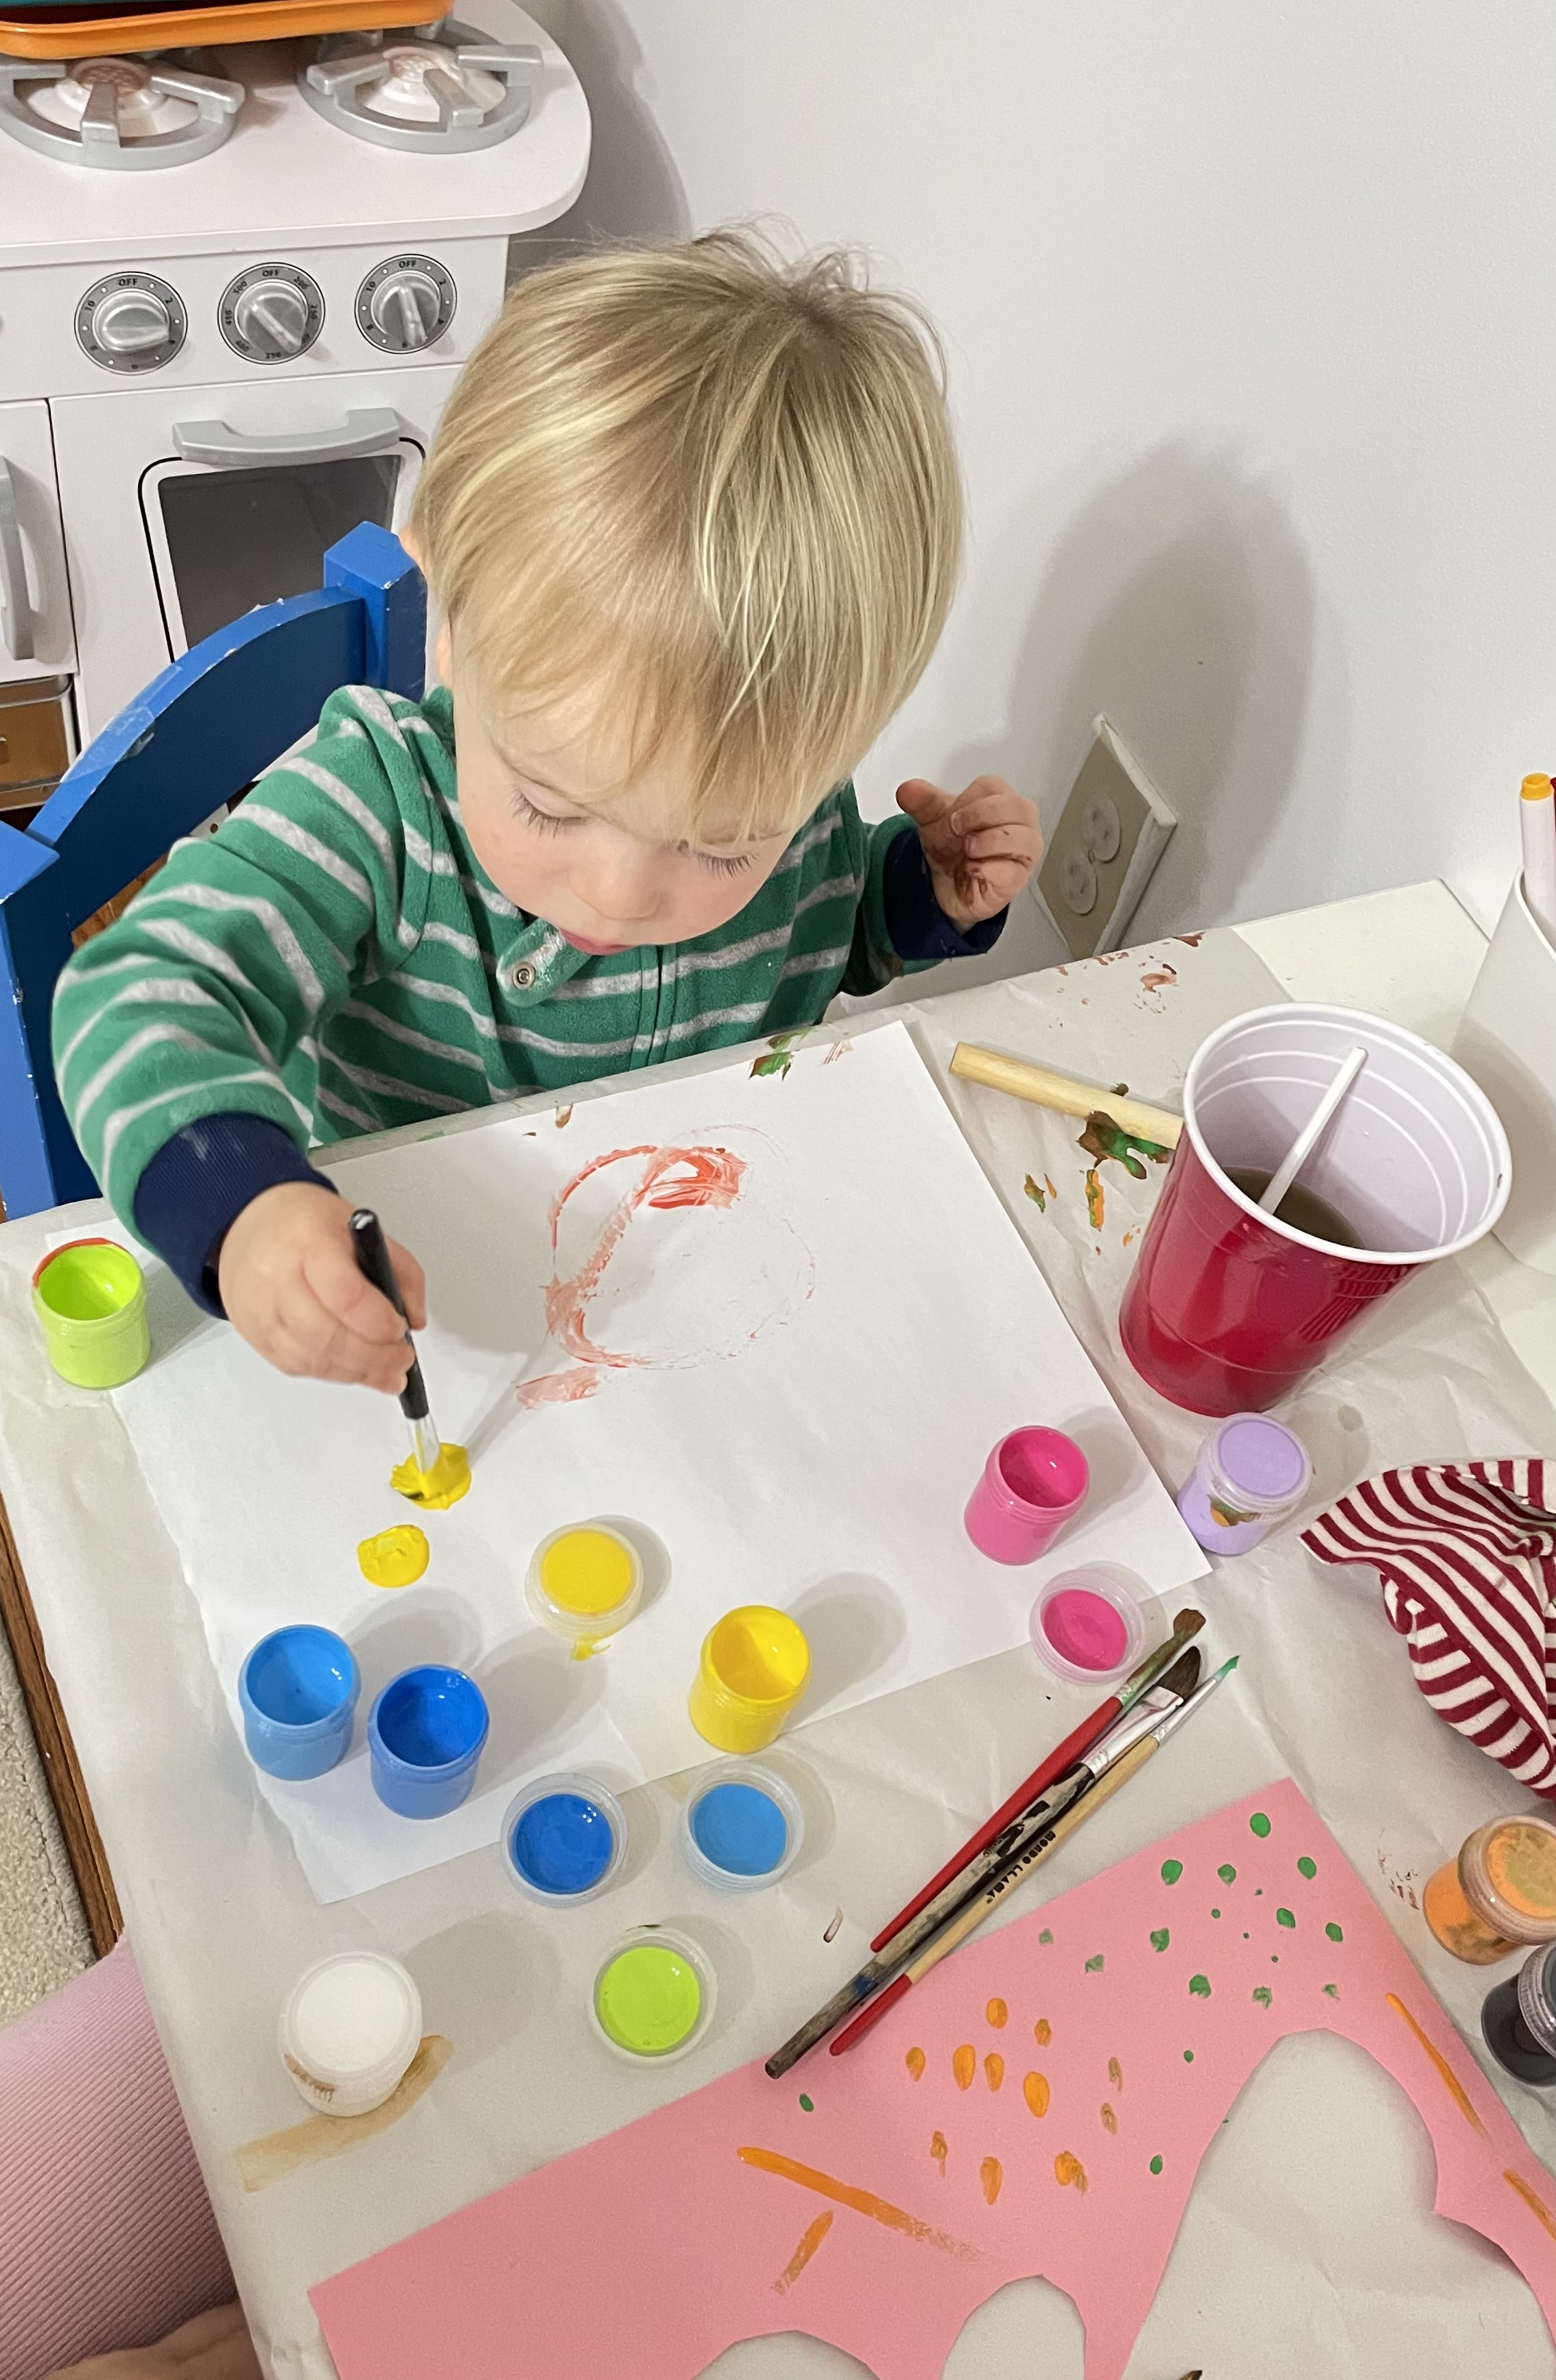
(1103, 852)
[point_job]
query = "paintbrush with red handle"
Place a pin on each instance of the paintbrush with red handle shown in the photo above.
(1139, 1681)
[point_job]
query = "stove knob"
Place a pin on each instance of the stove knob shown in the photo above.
(130, 322)
(407, 310)
(273, 316)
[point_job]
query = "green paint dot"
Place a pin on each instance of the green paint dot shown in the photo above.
(1259, 1824)
(808, 2104)
(1274, 1959)
(1094, 1966)
(1248, 1938)
(1045, 1936)
(1333, 1991)
(1189, 2056)
(1284, 1917)
(1161, 1938)
(1155, 2165)
(1309, 1868)
(1200, 1986)
(1334, 1932)
(1215, 1913)
(1228, 1875)
(1259, 1893)
(1170, 1871)
(1263, 1995)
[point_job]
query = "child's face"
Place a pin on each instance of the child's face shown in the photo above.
(561, 832)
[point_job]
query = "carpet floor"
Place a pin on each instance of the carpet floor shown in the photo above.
(44, 1937)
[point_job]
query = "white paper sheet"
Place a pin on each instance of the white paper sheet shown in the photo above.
(827, 1360)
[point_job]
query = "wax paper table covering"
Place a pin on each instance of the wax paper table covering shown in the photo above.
(1309, 2251)
(819, 1359)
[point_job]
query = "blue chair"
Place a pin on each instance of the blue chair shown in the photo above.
(198, 735)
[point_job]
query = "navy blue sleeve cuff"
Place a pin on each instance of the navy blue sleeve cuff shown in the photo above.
(918, 927)
(198, 1184)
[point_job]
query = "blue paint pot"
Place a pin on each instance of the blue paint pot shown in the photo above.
(425, 1735)
(741, 1826)
(297, 1690)
(564, 1838)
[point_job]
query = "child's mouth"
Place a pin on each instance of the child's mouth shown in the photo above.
(594, 949)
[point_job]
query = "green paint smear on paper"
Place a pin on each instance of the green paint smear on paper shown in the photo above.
(1284, 1917)
(1309, 1868)
(1263, 1995)
(1103, 1138)
(1334, 1932)
(781, 1047)
(1189, 2056)
(1045, 1936)
(1159, 1940)
(1259, 1825)
(1037, 1194)
(1331, 1991)
(1215, 1913)
(1096, 1198)
(1094, 1966)
(1155, 2165)
(1170, 1871)
(1228, 1875)
(1200, 1986)
(808, 2104)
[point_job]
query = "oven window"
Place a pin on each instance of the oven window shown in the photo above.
(240, 537)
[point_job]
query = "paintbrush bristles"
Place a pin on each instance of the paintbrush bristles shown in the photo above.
(1184, 1675)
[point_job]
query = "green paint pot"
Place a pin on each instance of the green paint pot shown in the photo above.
(90, 1297)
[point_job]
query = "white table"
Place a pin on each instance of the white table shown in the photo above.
(1308, 2248)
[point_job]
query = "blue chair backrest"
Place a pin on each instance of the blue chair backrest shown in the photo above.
(198, 735)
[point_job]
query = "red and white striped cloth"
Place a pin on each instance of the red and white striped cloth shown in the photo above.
(1467, 1555)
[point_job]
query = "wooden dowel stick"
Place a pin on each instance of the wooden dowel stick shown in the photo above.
(1046, 1089)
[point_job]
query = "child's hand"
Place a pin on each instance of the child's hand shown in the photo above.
(290, 1283)
(213, 2347)
(981, 845)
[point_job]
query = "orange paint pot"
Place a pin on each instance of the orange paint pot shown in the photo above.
(1499, 1896)
(753, 1669)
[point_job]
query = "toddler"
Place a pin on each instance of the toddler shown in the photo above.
(692, 518)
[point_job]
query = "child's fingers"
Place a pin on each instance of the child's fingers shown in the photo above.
(311, 1344)
(993, 806)
(333, 1275)
(924, 803)
(999, 841)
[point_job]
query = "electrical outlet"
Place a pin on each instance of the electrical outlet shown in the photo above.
(1103, 852)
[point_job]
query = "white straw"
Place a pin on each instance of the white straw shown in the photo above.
(1308, 1138)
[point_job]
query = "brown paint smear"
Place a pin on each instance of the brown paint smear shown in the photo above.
(963, 2065)
(1042, 2033)
(913, 2062)
(810, 2241)
(994, 2070)
(1116, 2074)
(276, 2154)
(1455, 2089)
(1110, 2121)
(991, 2173)
(1069, 2172)
(939, 2151)
(863, 2201)
(1034, 2090)
(997, 2014)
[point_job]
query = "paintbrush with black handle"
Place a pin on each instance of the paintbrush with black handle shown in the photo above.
(372, 1257)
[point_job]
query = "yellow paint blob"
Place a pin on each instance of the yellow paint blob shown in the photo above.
(396, 1556)
(963, 2065)
(997, 2014)
(915, 2063)
(1042, 2033)
(994, 2070)
(434, 1490)
(587, 1572)
(938, 2150)
(1069, 2172)
(1521, 1863)
(990, 2174)
(1034, 2090)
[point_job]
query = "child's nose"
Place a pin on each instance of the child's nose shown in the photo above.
(620, 886)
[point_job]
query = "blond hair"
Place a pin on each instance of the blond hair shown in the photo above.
(720, 487)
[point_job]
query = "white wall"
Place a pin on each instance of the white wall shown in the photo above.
(1251, 308)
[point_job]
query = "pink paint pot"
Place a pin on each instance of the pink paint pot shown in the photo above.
(1033, 1482)
(1087, 1625)
(1227, 1309)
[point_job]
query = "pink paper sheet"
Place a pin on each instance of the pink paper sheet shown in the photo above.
(1042, 2098)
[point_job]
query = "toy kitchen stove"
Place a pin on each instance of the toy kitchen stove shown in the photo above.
(236, 290)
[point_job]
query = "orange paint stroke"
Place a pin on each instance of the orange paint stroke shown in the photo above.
(277, 2154)
(991, 2173)
(1034, 2090)
(997, 2014)
(1116, 2074)
(1452, 2084)
(810, 2241)
(915, 2063)
(1531, 2199)
(863, 2201)
(994, 2070)
(963, 2065)
(1110, 2121)
(1042, 2033)
(1095, 1202)
(1069, 2172)
(671, 1178)
(939, 2151)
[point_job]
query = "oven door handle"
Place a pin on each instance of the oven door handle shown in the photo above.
(373, 429)
(19, 640)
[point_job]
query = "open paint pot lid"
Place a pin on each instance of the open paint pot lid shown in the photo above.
(741, 1826)
(351, 2024)
(564, 1838)
(1087, 1625)
(585, 1581)
(652, 1996)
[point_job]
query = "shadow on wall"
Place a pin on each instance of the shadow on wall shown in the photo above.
(633, 191)
(1179, 601)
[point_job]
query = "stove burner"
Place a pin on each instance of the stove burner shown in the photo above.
(437, 88)
(122, 114)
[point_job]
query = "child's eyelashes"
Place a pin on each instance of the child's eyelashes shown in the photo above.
(717, 864)
(542, 821)
(548, 822)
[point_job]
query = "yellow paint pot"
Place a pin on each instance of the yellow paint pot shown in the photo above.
(90, 1298)
(752, 1673)
(584, 1583)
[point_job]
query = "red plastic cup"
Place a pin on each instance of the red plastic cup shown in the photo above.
(1226, 1308)
(1033, 1482)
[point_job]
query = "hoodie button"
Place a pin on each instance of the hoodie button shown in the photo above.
(523, 977)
